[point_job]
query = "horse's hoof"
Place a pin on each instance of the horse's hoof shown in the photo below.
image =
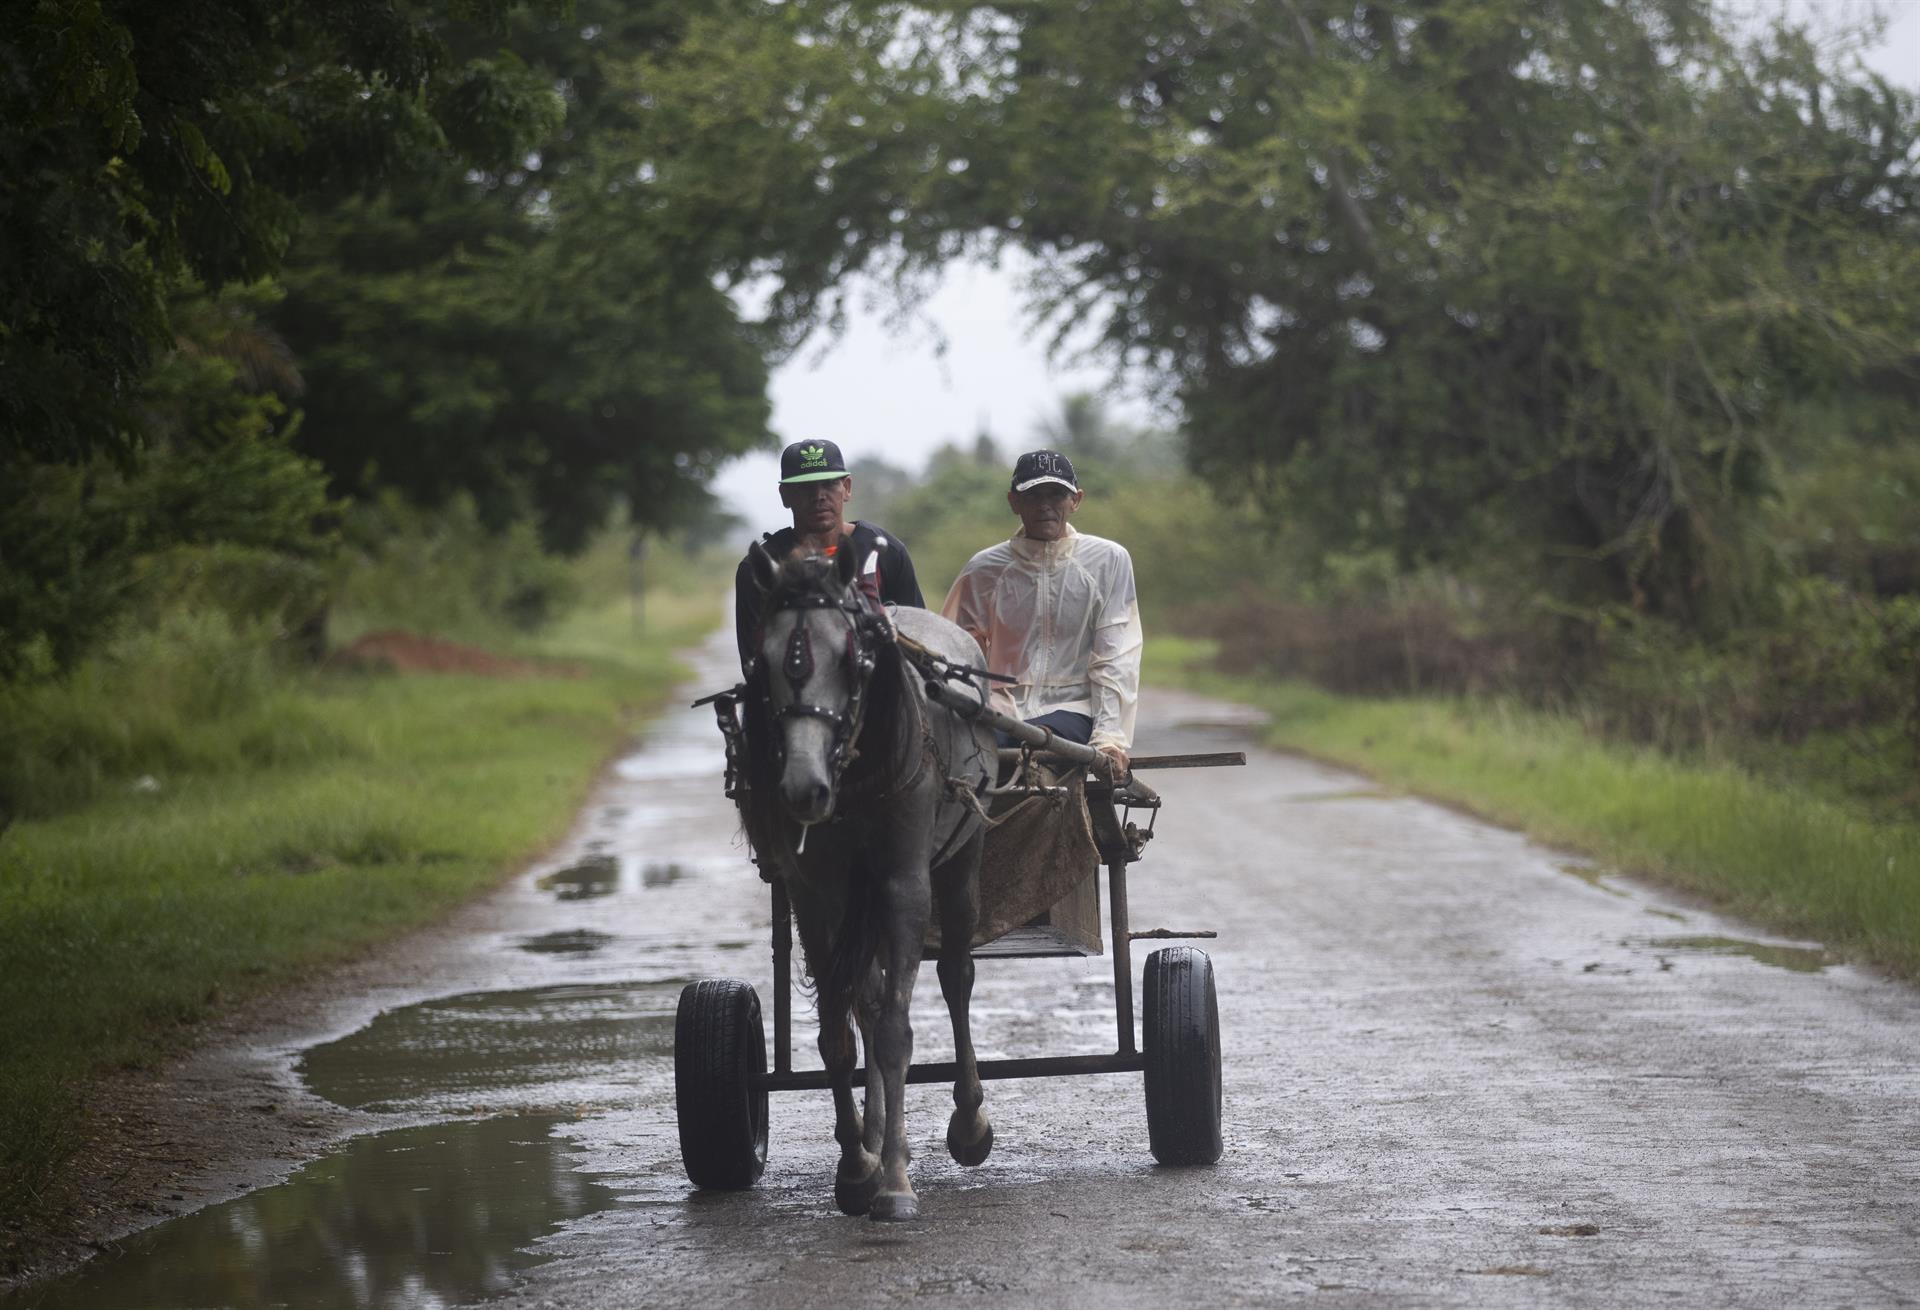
(854, 1196)
(969, 1138)
(894, 1208)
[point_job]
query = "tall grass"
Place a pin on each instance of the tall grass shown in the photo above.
(200, 694)
(1797, 862)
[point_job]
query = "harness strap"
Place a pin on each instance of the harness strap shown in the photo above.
(921, 756)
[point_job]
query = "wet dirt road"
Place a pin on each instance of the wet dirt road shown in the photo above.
(1460, 1070)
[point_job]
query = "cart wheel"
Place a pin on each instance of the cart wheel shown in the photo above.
(1182, 1022)
(719, 1045)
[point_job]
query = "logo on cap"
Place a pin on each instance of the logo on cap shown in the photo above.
(813, 455)
(1042, 466)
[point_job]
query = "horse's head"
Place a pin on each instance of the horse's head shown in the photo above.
(819, 640)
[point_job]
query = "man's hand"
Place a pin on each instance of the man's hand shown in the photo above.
(1117, 758)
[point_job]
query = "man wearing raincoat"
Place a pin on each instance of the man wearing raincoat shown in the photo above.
(1056, 610)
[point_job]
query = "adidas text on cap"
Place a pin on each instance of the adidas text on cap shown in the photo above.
(811, 461)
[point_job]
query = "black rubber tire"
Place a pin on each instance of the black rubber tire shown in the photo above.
(719, 1045)
(1182, 1023)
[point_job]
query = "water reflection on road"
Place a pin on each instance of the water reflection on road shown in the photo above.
(495, 1050)
(416, 1218)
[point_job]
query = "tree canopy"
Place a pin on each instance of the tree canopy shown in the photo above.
(487, 285)
(150, 143)
(546, 335)
(1457, 276)
(1456, 280)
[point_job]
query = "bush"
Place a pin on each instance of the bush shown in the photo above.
(1398, 647)
(443, 571)
(200, 692)
(84, 542)
(1827, 663)
(1830, 660)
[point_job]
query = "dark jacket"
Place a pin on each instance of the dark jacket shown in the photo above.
(898, 586)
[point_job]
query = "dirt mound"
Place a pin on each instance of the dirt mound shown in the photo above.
(407, 652)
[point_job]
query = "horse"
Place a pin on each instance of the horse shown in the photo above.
(854, 798)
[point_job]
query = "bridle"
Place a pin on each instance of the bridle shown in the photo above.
(867, 627)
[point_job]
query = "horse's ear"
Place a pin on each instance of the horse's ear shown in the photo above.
(761, 566)
(846, 561)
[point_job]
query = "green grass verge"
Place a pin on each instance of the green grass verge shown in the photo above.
(1801, 863)
(378, 803)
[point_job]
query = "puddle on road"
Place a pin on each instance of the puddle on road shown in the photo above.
(1592, 875)
(597, 875)
(662, 875)
(496, 1050)
(1800, 959)
(576, 941)
(600, 872)
(690, 753)
(435, 1216)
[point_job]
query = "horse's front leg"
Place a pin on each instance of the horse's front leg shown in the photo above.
(906, 903)
(969, 1135)
(866, 1010)
(857, 1177)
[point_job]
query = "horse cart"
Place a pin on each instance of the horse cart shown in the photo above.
(1057, 820)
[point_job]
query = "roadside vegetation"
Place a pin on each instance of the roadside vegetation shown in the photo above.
(1797, 857)
(203, 816)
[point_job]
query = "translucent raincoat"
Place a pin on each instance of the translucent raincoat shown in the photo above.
(1063, 619)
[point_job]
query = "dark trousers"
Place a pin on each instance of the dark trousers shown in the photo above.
(1063, 723)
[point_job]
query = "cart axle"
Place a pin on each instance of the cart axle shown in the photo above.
(1045, 1066)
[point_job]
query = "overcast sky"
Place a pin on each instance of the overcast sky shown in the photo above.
(886, 389)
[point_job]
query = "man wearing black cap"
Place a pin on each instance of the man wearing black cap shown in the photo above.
(815, 486)
(1056, 610)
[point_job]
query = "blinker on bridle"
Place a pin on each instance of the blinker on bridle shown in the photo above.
(799, 662)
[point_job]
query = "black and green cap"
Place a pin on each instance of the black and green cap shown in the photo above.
(811, 461)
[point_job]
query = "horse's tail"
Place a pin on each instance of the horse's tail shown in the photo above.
(855, 945)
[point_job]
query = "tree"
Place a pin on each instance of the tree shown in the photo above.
(156, 157)
(146, 145)
(1455, 277)
(550, 366)
(555, 336)
(81, 538)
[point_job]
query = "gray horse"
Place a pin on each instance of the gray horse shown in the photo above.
(854, 800)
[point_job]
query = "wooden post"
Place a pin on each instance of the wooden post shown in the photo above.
(637, 578)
